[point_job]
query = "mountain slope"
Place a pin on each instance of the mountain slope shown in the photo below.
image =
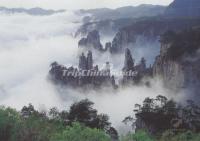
(144, 10)
(184, 8)
(109, 21)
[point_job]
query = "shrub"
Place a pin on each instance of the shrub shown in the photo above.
(138, 136)
(8, 121)
(186, 136)
(79, 132)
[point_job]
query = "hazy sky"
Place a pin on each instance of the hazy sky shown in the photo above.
(77, 4)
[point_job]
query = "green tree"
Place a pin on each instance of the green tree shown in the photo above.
(84, 112)
(9, 118)
(138, 136)
(78, 132)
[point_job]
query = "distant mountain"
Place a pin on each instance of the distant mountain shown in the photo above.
(109, 21)
(184, 8)
(105, 27)
(144, 10)
(33, 11)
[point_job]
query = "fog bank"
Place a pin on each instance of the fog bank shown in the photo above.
(28, 45)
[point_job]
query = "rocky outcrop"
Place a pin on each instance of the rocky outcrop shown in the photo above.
(86, 63)
(172, 72)
(149, 29)
(134, 73)
(106, 27)
(179, 63)
(89, 60)
(92, 41)
(129, 62)
(86, 76)
(108, 46)
(183, 8)
(120, 41)
(82, 62)
(89, 76)
(128, 69)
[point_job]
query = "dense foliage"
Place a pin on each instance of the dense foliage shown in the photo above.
(156, 116)
(138, 136)
(80, 133)
(166, 136)
(81, 122)
(171, 121)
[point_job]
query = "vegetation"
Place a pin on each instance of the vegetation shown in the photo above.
(80, 133)
(138, 136)
(162, 120)
(182, 43)
(167, 136)
(165, 120)
(81, 122)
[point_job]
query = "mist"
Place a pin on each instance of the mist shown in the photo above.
(28, 45)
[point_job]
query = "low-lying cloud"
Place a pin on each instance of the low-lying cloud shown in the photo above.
(28, 45)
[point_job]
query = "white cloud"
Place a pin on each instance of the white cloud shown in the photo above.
(77, 4)
(28, 45)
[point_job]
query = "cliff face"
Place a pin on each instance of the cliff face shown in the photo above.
(122, 40)
(106, 27)
(86, 63)
(133, 74)
(129, 62)
(179, 62)
(85, 77)
(91, 41)
(184, 8)
(172, 72)
(149, 29)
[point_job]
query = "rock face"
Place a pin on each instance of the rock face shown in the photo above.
(129, 62)
(86, 76)
(86, 63)
(108, 46)
(179, 61)
(184, 8)
(82, 62)
(121, 40)
(89, 61)
(91, 41)
(134, 73)
(89, 76)
(149, 30)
